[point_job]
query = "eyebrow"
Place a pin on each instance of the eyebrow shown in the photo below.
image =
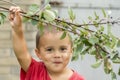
(53, 46)
(48, 47)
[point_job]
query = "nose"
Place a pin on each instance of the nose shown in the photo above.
(57, 54)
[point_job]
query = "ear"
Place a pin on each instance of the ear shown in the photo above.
(38, 53)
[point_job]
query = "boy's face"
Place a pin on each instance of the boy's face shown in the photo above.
(55, 52)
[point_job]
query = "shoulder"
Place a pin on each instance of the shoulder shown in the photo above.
(36, 65)
(34, 68)
(76, 76)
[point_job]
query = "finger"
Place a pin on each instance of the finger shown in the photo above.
(18, 9)
(14, 12)
(17, 13)
(11, 13)
(11, 8)
(11, 16)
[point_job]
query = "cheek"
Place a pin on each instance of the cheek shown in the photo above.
(43, 56)
(47, 57)
(66, 56)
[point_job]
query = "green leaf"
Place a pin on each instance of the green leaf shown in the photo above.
(79, 47)
(63, 35)
(1, 20)
(32, 9)
(95, 23)
(71, 14)
(55, 12)
(86, 26)
(74, 58)
(107, 66)
(119, 71)
(103, 11)
(113, 41)
(93, 40)
(26, 19)
(103, 54)
(97, 64)
(34, 22)
(40, 27)
(113, 75)
(48, 7)
(47, 1)
(86, 49)
(117, 60)
(96, 16)
(2, 17)
(118, 43)
(109, 29)
(101, 28)
(49, 15)
(93, 51)
(90, 18)
(40, 15)
(84, 32)
(114, 55)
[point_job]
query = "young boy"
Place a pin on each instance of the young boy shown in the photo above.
(53, 52)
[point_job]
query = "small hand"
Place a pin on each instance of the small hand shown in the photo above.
(15, 18)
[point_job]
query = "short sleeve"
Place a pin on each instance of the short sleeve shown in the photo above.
(36, 71)
(23, 74)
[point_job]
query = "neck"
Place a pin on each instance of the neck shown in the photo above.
(57, 73)
(62, 75)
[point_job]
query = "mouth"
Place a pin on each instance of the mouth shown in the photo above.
(57, 62)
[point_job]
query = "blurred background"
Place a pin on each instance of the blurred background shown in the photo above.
(9, 67)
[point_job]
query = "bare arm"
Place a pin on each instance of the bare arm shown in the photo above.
(19, 43)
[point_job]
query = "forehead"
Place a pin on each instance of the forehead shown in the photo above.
(50, 38)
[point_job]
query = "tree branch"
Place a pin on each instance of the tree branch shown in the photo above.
(69, 23)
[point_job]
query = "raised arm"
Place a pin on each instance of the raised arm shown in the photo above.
(19, 43)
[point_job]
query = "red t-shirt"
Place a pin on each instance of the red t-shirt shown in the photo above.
(37, 71)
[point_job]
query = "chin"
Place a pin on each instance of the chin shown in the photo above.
(58, 69)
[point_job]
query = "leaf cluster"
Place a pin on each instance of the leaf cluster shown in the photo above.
(94, 37)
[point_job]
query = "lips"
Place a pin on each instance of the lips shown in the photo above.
(57, 62)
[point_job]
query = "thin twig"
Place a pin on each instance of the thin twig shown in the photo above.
(4, 8)
(102, 48)
(77, 25)
(61, 27)
(55, 19)
(98, 53)
(40, 9)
